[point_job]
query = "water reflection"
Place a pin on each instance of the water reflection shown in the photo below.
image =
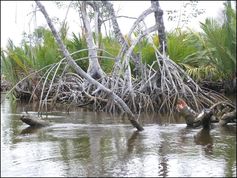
(132, 141)
(84, 143)
(163, 166)
(228, 130)
(204, 138)
(30, 130)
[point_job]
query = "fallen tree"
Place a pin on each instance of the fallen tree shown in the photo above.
(207, 116)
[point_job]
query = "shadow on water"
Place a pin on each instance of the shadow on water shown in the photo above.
(135, 140)
(204, 138)
(85, 143)
(228, 130)
(30, 130)
(132, 141)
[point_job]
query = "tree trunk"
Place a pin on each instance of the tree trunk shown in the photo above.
(119, 36)
(161, 27)
(94, 68)
(98, 23)
(192, 118)
(83, 74)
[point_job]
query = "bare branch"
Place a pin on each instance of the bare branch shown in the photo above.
(79, 71)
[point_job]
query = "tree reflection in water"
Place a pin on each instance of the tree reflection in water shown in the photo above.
(30, 130)
(91, 144)
(204, 138)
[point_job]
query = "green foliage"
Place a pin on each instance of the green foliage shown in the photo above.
(110, 45)
(146, 49)
(15, 63)
(46, 52)
(6, 67)
(210, 55)
(189, 50)
(37, 51)
(78, 43)
(221, 38)
(181, 44)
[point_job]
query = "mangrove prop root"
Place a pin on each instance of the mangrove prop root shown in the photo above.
(227, 118)
(156, 89)
(79, 71)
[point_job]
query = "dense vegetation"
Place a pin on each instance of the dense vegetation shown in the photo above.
(206, 56)
(131, 73)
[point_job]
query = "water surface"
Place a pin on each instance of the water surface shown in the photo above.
(85, 143)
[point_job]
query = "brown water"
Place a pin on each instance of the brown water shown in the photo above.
(84, 143)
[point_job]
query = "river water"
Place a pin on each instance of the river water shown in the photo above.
(86, 143)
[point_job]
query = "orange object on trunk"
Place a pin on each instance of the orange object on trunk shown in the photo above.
(181, 104)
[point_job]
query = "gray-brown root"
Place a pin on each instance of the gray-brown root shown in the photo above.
(156, 89)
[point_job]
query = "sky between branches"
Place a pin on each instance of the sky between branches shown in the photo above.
(17, 16)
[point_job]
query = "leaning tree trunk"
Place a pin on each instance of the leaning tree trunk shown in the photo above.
(161, 27)
(94, 68)
(79, 71)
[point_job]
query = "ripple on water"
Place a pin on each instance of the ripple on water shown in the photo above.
(94, 145)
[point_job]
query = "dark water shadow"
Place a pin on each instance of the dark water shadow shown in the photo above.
(229, 129)
(30, 130)
(204, 139)
(135, 142)
(132, 141)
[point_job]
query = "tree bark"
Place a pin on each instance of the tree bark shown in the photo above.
(161, 27)
(83, 74)
(98, 15)
(119, 36)
(206, 117)
(192, 118)
(94, 68)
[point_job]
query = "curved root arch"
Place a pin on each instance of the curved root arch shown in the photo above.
(156, 89)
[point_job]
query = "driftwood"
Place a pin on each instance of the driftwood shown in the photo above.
(204, 118)
(34, 121)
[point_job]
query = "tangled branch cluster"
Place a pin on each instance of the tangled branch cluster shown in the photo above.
(156, 90)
